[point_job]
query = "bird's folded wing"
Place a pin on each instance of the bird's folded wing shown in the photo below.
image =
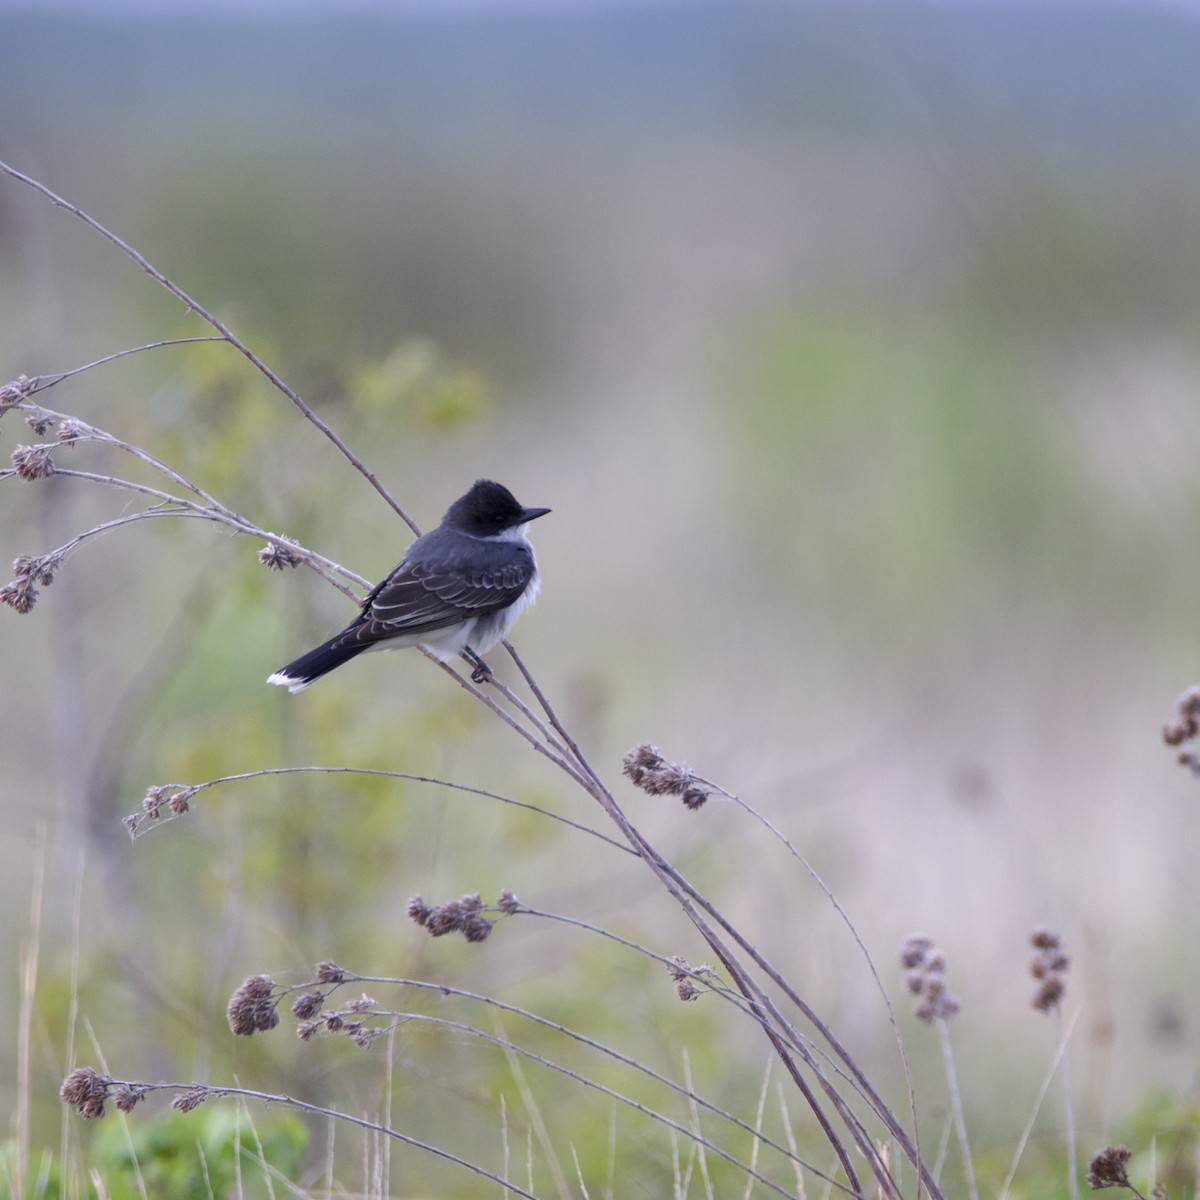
(422, 598)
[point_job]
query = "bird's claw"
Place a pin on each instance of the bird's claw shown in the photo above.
(482, 673)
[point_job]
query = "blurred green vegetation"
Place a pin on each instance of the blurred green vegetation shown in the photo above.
(865, 401)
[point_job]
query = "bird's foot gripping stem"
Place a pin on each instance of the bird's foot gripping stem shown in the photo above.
(482, 672)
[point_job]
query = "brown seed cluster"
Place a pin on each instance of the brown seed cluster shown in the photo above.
(464, 915)
(192, 1098)
(278, 554)
(1185, 728)
(684, 975)
(86, 1091)
(350, 1021)
(1109, 1168)
(15, 392)
(925, 977)
(22, 592)
(175, 798)
(32, 462)
(1049, 967)
(254, 1007)
(646, 768)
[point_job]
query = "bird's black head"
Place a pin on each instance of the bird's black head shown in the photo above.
(489, 509)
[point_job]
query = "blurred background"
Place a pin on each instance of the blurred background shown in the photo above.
(854, 347)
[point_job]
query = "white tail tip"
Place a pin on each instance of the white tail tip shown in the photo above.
(292, 685)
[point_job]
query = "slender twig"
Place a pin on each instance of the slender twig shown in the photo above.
(322, 566)
(510, 1046)
(1068, 1107)
(205, 1091)
(144, 822)
(226, 333)
(1047, 1080)
(510, 721)
(956, 1107)
(862, 946)
(39, 383)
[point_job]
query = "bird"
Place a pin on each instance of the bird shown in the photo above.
(458, 590)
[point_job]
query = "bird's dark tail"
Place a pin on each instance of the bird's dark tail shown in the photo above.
(296, 676)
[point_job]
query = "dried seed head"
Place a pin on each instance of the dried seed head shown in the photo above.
(677, 967)
(1109, 1169)
(306, 1030)
(278, 554)
(476, 928)
(190, 1099)
(20, 595)
(507, 902)
(1049, 967)
(925, 978)
(39, 421)
(1050, 994)
(914, 949)
(32, 462)
(464, 915)
(687, 990)
(127, 1096)
(86, 1091)
(329, 972)
(308, 1005)
(363, 1004)
(15, 392)
(179, 803)
(646, 768)
(254, 1008)
(40, 570)
(153, 802)
(69, 429)
(334, 1022)
(1187, 723)
(1189, 759)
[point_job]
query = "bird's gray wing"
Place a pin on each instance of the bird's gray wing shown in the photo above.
(432, 591)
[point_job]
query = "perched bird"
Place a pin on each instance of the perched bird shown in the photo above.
(458, 590)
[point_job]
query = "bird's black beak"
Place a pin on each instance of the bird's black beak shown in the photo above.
(532, 514)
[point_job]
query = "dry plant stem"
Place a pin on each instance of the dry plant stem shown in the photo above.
(195, 788)
(761, 1006)
(816, 877)
(863, 1084)
(226, 334)
(764, 1007)
(511, 1047)
(1047, 1080)
(792, 1036)
(960, 1123)
(178, 506)
(558, 760)
(559, 728)
(212, 507)
(210, 1091)
(576, 766)
(1068, 1108)
(444, 990)
(543, 730)
(39, 383)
